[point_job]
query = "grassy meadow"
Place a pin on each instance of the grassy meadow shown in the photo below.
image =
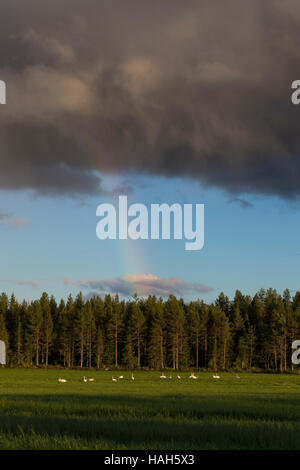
(257, 411)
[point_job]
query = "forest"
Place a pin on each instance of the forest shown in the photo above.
(152, 333)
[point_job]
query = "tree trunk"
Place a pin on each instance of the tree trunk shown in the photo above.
(37, 340)
(215, 353)
(81, 351)
(197, 350)
(224, 354)
(285, 352)
(177, 350)
(205, 349)
(161, 351)
(139, 351)
(116, 345)
(47, 352)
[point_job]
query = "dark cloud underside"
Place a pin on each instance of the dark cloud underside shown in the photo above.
(192, 89)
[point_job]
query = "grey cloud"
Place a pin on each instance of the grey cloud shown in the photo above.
(193, 89)
(123, 188)
(33, 284)
(19, 222)
(141, 284)
(242, 202)
(7, 218)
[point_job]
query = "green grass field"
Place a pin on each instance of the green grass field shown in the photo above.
(258, 411)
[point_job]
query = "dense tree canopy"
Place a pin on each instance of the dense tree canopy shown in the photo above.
(152, 333)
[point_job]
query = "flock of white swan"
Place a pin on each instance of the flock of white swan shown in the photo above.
(162, 377)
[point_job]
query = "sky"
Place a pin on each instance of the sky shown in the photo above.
(163, 102)
(249, 244)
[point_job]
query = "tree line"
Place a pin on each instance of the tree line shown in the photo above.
(246, 332)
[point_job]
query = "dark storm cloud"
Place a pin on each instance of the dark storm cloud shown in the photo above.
(192, 89)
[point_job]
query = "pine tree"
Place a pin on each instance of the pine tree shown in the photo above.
(36, 323)
(80, 322)
(47, 327)
(71, 330)
(114, 326)
(155, 333)
(193, 313)
(109, 342)
(175, 320)
(136, 326)
(90, 333)
(3, 312)
(156, 343)
(61, 334)
(99, 348)
(128, 353)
